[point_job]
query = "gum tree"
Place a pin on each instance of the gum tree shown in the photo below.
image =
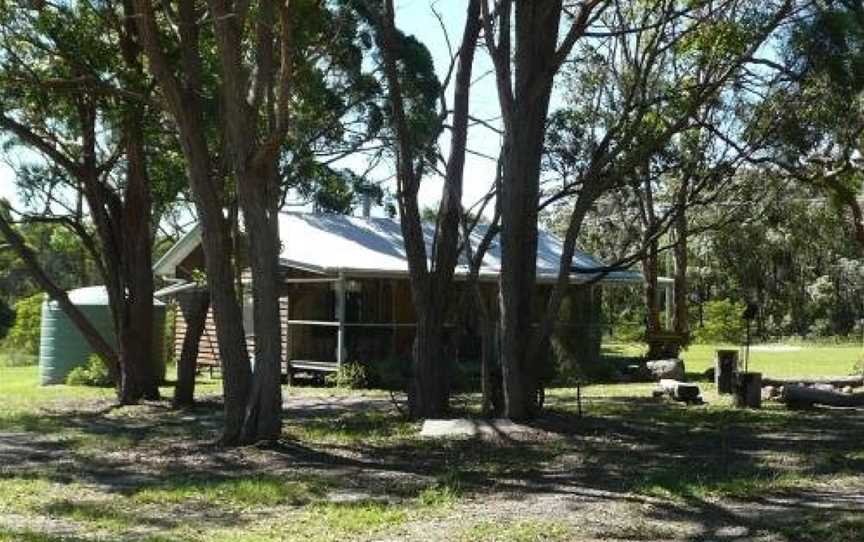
(84, 108)
(635, 41)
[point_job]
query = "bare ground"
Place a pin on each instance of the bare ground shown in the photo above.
(630, 469)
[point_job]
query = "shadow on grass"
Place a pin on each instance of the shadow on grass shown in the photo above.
(680, 459)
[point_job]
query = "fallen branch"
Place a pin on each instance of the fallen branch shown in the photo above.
(802, 396)
(837, 381)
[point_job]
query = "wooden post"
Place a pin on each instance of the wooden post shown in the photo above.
(340, 316)
(748, 390)
(725, 369)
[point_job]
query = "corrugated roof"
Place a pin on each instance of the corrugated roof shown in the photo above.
(332, 244)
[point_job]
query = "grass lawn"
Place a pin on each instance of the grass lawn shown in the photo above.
(15, 359)
(771, 360)
(73, 467)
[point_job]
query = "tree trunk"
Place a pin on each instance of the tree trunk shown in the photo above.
(541, 341)
(429, 389)
(485, 302)
(194, 307)
(488, 356)
(652, 298)
(651, 261)
(430, 386)
(490, 372)
(264, 406)
(228, 316)
(681, 314)
(182, 94)
(536, 39)
(136, 268)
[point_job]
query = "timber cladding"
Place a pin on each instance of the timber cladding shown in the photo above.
(208, 346)
(379, 322)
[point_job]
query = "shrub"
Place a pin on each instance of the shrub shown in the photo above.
(15, 359)
(350, 375)
(466, 375)
(23, 337)
(723, 323)
(94, 373)
(821, 327)
(389, 374)
(629, 330)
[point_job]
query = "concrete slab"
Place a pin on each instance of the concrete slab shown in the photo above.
(466, 427)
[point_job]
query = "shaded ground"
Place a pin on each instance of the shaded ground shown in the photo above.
(349, 468)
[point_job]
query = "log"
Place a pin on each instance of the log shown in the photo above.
(836, 381)
(802, 396)
(679, 391)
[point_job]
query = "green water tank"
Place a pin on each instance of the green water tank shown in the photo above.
(61, 345)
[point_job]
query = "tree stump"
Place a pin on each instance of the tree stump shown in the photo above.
(725, 369)
(748, 390)
(665, 344)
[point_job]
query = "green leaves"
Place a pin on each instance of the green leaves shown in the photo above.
(831, 43)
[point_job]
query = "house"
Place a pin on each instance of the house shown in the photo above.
(345, 293)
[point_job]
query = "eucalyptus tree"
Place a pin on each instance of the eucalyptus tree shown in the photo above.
(231, 76)
(80, 104)
(815, 90)
(414, 124)
(636, 42)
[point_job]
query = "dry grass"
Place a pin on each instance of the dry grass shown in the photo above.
(349, 468)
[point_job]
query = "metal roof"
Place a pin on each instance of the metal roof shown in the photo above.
(331, 244)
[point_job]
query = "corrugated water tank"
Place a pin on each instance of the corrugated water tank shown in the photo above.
(61, 345)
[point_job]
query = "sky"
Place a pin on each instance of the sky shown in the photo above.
(416, 17)
(7, 183)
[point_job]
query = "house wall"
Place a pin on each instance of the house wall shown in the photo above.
(387, 301)
(578, 336)
(208, 345)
